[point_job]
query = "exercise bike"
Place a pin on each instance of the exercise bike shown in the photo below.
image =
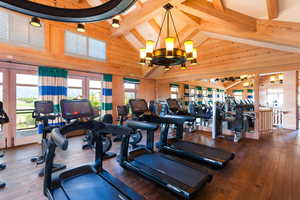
(135, 138)
(43, 113)
(90, 142)
(3, 119)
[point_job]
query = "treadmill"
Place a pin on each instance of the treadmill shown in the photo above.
(175, 174)
(88, 182)
(211, 156)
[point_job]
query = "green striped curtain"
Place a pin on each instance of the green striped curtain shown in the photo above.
(186, 94)
(131, 80)
(210, 95)
(174, 85)
(199, 94)
(250, 93)
(52, 87)
(107, 94)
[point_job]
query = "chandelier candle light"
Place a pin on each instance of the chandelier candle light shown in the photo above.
(168, 56)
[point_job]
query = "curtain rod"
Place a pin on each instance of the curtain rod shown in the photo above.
(34, 65)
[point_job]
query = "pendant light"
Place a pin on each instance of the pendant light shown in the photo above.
(272, 79)
(35, 22)
(189, 46)
(81, 28)
(280, 77)
(143, 56)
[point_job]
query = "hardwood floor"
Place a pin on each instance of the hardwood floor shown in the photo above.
(266, 169)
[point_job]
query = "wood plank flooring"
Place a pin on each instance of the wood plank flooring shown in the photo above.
(268, 169)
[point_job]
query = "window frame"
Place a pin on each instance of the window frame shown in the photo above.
(174, 92)
(26, 44)
(128, 90)
(87, 56)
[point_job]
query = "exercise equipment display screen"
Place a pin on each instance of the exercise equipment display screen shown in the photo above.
(173, 104)
(44, 107)
(74, 109)
(138, 105)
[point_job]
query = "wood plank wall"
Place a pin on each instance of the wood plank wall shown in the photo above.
(122, 58)
(224, 58)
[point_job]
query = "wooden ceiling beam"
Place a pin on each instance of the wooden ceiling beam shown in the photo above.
(253, 42)
(273, 9)
(154, 25)
(278, 33)
(218, 4)
(206, 11)
(148, 10)
(138, 36)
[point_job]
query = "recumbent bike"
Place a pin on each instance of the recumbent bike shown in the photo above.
(89, 139)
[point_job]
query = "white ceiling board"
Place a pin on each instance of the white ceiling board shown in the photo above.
(253, 8)
(135, 42)
(289, 10)
(146, 30)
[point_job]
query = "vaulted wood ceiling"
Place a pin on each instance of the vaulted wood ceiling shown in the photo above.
(232, 36)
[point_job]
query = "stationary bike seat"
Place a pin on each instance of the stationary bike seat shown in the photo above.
(142, 125)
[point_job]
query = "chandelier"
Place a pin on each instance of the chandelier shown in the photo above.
(168, 56)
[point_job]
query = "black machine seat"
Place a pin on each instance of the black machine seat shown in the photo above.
(215, 156)
(142, 125)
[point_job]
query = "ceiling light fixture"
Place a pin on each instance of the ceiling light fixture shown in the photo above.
(102, 12)
(81, 28)
(170, 55)
(35, 22)
(116, 22)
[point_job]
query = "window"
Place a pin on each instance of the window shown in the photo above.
(95, 93)
(238, 95)
(85, 86)
(75, 88)
(174, 90)
(192, 94)
(275, 97)
(15, 29)
(26, 94)
(130, 91)
(83, 46)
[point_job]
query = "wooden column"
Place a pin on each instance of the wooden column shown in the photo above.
(256, 106)
(290, 100)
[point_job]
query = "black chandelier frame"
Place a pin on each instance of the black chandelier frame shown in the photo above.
(102, 12)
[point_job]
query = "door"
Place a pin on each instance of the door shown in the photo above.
(26, 92)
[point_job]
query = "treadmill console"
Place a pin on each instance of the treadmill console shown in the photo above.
(173, 105)
(138, 106)
(74, 109)
(44, 107)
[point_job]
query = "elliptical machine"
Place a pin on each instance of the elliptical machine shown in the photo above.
(3, 119)
(90, 141)
(135, 138)
(43, 113)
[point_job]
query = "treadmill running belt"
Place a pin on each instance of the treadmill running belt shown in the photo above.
(203, 150)
(177, 171)
(90, 186)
